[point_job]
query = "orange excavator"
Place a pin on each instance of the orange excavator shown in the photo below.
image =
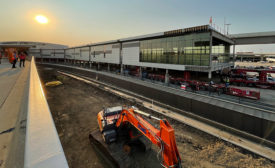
(111, 120)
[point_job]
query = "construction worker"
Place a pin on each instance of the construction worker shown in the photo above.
(193, 86)
(227, 81)
(14, 59)
(211, 83)
(210, 87)
(22, 57)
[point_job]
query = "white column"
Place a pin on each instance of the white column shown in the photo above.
(209, 74)
(140, 72)
(167, 76)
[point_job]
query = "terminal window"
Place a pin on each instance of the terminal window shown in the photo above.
(191, 49)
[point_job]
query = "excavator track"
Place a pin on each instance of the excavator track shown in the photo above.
(101, 148)
(114, 155)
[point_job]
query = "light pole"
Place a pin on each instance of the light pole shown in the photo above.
(227, 25)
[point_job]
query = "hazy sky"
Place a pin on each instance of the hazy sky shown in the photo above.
(76, 22)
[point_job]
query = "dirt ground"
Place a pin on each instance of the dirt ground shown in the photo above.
(74, 106)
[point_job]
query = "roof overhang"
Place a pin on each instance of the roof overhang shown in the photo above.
(254, 38)
(15, 46)
(196, 29)
(222, 37)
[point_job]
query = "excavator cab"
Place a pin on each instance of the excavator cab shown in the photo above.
(107, 119)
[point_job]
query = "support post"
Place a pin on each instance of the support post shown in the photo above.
(262, 57)
(89, 53)
(121, 69)
(56, 60)
(140, 72)
(167, 77)
(90, 65)
(64, 51)
(108, 67)
(98, 66)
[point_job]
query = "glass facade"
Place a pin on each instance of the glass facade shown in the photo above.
(220, 51)
(191, 49)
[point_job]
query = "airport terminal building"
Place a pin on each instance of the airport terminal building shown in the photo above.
(197, 49)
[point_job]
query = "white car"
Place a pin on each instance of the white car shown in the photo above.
(270, 79)
(252, 79)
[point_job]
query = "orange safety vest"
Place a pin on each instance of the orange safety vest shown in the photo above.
(11, 57)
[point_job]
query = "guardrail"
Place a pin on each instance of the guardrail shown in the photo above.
(42, 147)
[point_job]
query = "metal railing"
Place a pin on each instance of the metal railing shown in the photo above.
(42, 148)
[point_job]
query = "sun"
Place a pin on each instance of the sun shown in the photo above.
(41, 19)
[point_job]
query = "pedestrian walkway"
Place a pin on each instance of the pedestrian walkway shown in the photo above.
(13, 107)
(28, 137)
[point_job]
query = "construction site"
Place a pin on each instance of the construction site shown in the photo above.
(137, 85)
(172, 99)
(75, 104)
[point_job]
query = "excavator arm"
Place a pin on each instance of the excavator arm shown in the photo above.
(164, 137)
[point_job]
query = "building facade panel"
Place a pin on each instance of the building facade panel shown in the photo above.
(77, 54)
(47, 53)
(58, 53)
(84, 53)
(130, 53)
(69, 53)
(105, 53)
(35, 53)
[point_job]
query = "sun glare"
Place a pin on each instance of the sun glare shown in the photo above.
(41, 19)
